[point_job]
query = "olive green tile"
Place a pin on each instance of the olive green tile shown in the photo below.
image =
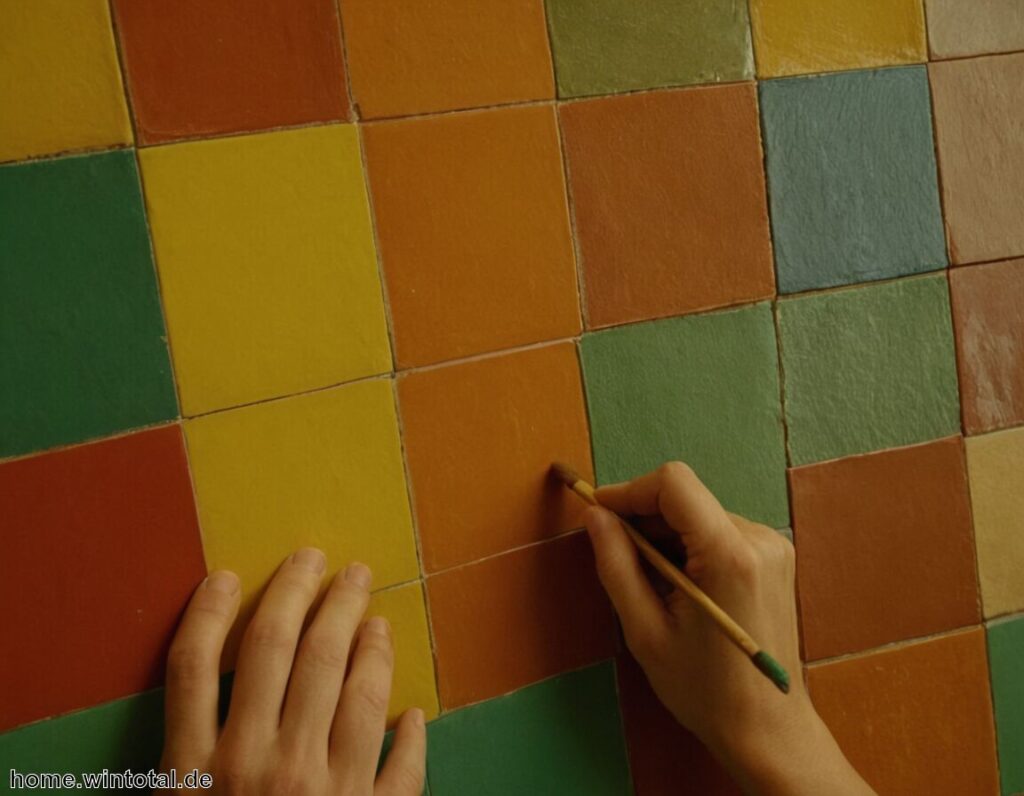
(1005, 656)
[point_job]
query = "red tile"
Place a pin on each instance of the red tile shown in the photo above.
(101, 551)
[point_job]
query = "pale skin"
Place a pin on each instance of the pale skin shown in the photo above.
(308, 709)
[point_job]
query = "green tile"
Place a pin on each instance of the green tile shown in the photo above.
(868, 368)
(1005, 652)
(562, 736)
(82, 346)
(606, 46)
(703, 389)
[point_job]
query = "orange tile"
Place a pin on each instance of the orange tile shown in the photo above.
(914, 719)
(480, 437)
(885, 548)
(474, 232)
(516, 618)
(407, 58)
(670, 211)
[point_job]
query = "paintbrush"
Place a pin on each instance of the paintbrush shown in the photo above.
(764, 662)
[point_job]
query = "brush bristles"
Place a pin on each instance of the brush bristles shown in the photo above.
(566, 473)
(773, 670)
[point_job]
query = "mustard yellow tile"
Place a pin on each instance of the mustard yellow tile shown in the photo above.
(60, 84)
(800, 36)
(995, 467)
(267, 264)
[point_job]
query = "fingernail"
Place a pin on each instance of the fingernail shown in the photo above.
(359, 574)
(222, 581)
(378, 624)
(417, 716)
(310, 558)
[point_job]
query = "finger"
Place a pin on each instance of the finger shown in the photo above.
(193, 670)
(319, 671)
(406, 767)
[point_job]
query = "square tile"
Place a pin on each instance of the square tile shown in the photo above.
(409, 58)
(989, 326)
(995, 465)
(513, 619)
(561, 736)
(848, 153)
(60, 87)
(265, 250)
(908, 508)
(479, 440)
(703, 389)
(670, 217)
(915, 718)
(606, 46)
(101, 553)
(793, 37)
(474, 232)
(956, 29)
(868, 368)
(203, 67)
(979, 115)
(83, 351)
(1005, 651)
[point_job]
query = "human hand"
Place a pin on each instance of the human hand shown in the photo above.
(305, 722)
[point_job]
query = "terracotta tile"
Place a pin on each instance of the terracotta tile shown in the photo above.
(407, 58)
(101, 552)
(956, 29)
(670, 217)
(206, 67)
(979, 114)
(479, 439)
(987, 301)
(510, 620)
(914, 719)
(891, 534)
(474, 232)
(1005, 651)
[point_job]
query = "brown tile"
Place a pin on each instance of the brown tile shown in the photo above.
(915, 719)
(884, 548)
(516, 618)
(956, 28)
(670, 211)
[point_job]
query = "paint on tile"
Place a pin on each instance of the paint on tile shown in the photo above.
(199, 67)
(606, 46)
(995, 464)
(561, 736)
(83, 352)
(411, 58)
(868, 369)
(851, 178)
(513, 619)
(101, 552)
(703, 389)
(474, 232)
(957, 29)
(479, 440)
(979, 119)
(267, 265)
(1005, 652)
(989, 325)
(670, 216)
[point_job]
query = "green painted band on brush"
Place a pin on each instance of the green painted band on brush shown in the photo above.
(772, 669)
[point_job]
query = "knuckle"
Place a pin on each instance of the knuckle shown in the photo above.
(268, 634)
(745, 564)
(290, 779)
(324, 652)
(370, 697)
(187, 664)
(409, 779)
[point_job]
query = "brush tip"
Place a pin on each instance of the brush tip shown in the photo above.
(772, 669)
(565, 472)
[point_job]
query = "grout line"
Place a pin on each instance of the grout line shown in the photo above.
(971, 57)
(517, 549)
(65, 446)
(893, 646)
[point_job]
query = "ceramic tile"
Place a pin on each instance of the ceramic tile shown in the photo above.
(510, 620)
(956, 29)
(1005, 651)
(868, 369)
(995, 465)
(199, 67)
(83, 351)
(267, 265)
(703, 389)
(474, 232)
(408, 58)
(60, 87)
(908, 508)
(561, 736)
(479, 439)
(848, 153)
(605, 46)
(101, 552)
(670, 217)
(987, 301)
(979, 115)
(794, 37)
(916, 718)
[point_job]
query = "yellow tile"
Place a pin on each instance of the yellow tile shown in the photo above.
(801, 36)
(60, 83)
(267, 264)
(995, 465)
